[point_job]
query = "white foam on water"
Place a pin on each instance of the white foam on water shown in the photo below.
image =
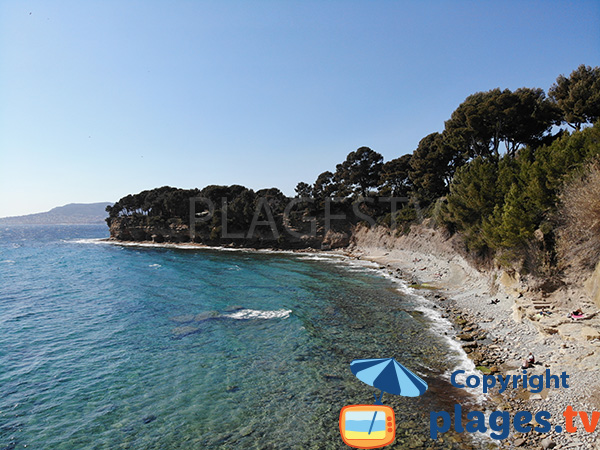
(321, 256)
(155, 265)
(87, 241)
(440, 325)
(246, 314)
(7, 261)
(189, 246)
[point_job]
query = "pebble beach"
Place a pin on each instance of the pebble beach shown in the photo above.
(498, 322)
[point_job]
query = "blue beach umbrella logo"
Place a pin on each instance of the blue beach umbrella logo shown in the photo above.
(388, 375)
(373, 426)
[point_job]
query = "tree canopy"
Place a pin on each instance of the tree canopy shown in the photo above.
(303, 189)
(493, 174)
(360, 171)
(578, 96)
(486, 120)
(394, 177)
(325, 185)
(432, 166)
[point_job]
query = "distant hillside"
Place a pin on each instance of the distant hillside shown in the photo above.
(73, 213)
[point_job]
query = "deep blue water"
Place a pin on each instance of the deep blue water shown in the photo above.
(111, 347)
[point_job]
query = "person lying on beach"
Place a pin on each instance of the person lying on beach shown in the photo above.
(494, 302)
(577, 314)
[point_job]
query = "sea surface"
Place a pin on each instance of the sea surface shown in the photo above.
(105, 346)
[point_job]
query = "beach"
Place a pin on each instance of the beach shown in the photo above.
(501, 334)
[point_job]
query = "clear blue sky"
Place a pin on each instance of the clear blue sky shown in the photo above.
(99, 99)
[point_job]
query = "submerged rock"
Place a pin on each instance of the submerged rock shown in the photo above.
(148, 419)
(180, 332)
(186, 318)
(247, 431)
(206, 316)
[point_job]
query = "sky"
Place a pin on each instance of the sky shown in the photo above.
(100, 99)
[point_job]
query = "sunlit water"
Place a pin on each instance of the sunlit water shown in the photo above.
(111, 347)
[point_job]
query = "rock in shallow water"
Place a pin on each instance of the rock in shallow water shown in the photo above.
(247, 431)
(186, 318)
(148, 419)
(180, 332)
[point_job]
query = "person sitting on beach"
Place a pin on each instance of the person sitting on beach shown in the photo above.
(529, 361)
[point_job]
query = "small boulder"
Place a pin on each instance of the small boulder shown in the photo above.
(519, 442)
(548, 443)
(465, 337)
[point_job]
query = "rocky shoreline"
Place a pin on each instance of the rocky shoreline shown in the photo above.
(497, 326)
(496, 335)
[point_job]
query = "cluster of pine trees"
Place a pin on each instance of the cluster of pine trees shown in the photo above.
(232, 208)
(496, 171)
(502, 173)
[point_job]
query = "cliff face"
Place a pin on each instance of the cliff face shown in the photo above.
(593, 285)
(121, 229)
(436, 258)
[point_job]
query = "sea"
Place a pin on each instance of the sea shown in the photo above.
(107, 346)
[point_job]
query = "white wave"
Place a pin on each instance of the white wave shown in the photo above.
(7, 261)
(155, 265)
(443, 327)
(245, 314)
(87, 241)
(440, 326)
(322, 257)
(317, 255)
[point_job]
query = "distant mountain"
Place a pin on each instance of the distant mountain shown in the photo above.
(73, 213)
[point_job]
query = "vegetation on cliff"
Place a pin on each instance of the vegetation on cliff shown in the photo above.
(502, 174)
(230, 215)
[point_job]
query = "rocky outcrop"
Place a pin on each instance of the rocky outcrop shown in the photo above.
(122, 230)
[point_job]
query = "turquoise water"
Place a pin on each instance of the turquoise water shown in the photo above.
(106, 347)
